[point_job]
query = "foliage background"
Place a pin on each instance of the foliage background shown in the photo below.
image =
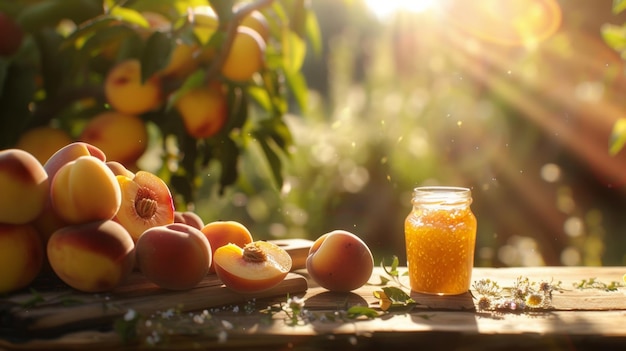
(413, 99)
(410, 100)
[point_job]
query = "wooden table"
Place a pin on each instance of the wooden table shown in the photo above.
(577, 319)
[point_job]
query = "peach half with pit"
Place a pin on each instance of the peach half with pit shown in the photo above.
(220, 233)
(23, 187)
(175, 256)
(258, 266)
(146, 202)
(92, 257)
(21, 256)
(340, 261)
(85, 190)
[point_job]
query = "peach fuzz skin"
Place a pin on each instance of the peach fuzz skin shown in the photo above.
(85, 190)
(340, 261)
(176, 256)
(48, 221)
(242, 275)
(220, 233)
(21, 256)
(24, 187)
(92, 257)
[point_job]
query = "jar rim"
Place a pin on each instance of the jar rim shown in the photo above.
(442, 195)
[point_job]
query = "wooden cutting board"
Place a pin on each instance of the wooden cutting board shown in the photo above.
(54, 308)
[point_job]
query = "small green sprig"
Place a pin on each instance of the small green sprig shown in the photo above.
(594, 283)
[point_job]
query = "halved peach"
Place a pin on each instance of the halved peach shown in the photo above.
(221, 233)
(258, 266)
(146, 202)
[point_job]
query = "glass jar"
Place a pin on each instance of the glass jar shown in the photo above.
(440, 235)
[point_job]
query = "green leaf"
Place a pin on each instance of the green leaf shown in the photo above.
(260, 96)
(618, 137)
(272, 159)
(397, 295)
(293, 51)
(223, 9)
(299, 89)
(87, 29)
(228, 155)
(313, 32)
(619, 6)
(129, 16)
(156, 54)
(614, 36)
(104, 37)
(358, 311)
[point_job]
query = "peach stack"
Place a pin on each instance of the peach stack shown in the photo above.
(93, 221)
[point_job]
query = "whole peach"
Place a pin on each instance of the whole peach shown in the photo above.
(49, 221)
(23, 187)
(203, 110)
(42, 142)
(126, 92)
(85, 190)
(175, 256)
(246, 55)
(340, 261)
(189, 217)
(21, 256)
(123, 138)
(95, 256)
(220, 233)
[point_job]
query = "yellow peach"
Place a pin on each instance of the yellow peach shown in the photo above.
(340, 261)
(258, 266)
(42, 142)
(175, 256)
(203, 110)
(146, 202)
(23, 186)
(122, 138)
(125, 91)
(246, 55)
(95, 256)
(21, 256)
(85, 190)
(220, 233)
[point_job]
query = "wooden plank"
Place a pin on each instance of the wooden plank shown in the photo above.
(586, 316)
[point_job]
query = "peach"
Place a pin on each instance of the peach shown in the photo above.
(21, 256)
(125, 91)
(85, 190)
(340, 261)
(257, 21)
(49, 221)
(42, 142)
(146, 202)
(69, 153)
(92, 257)
(220, 233)
(182, 61)
(203, 110)
(23, 187)
(122, 138)
(258, 266)
(175, 256)
(246, 55)
(120, 169)
(189, 217)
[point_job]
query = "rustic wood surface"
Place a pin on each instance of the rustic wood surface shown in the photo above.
(579, 319)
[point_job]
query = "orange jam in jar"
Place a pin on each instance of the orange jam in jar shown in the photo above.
(440, 234)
